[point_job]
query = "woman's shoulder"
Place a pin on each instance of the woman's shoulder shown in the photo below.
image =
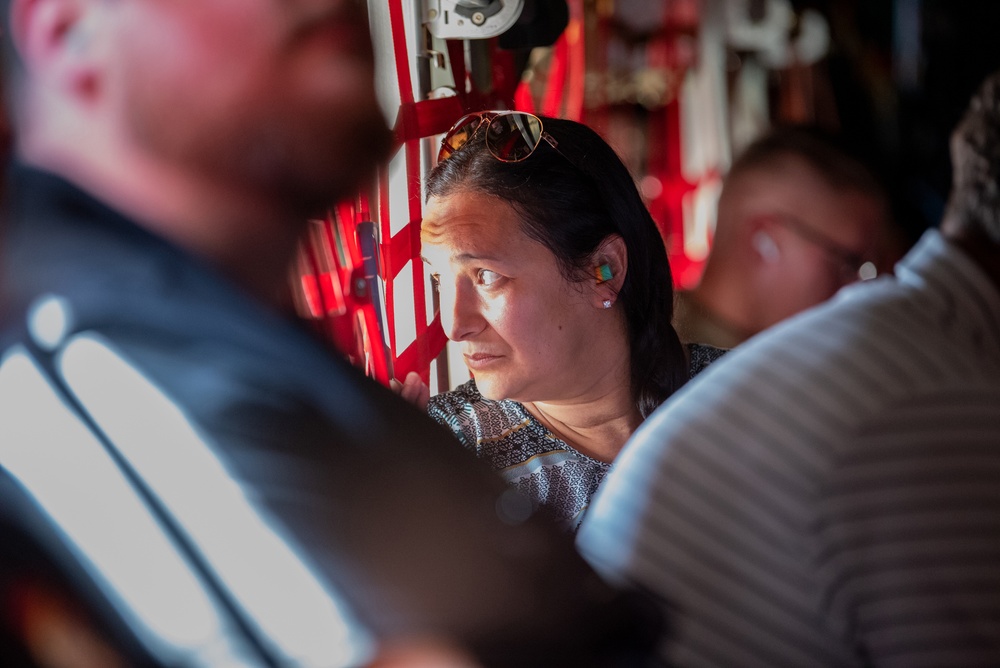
(700, 356)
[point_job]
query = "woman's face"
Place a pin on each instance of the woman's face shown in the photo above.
(526, 332)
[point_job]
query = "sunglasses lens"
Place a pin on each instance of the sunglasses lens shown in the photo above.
(461, 133)
(513, 137)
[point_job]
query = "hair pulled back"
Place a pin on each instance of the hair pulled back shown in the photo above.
(571, 203)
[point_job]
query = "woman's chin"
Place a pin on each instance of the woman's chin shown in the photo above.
(489, 388)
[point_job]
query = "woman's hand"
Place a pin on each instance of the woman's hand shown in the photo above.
(413, 389)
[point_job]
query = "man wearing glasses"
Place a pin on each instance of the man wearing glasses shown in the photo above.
(798, 219)
(829, 493)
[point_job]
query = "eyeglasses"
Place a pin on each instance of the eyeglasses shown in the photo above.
(852, 266)
(511, 136)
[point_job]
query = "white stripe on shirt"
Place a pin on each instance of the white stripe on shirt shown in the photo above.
(829, 494)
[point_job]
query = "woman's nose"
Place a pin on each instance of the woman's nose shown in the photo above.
(461, 316)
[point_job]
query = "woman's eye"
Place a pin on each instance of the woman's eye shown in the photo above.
(487, 277)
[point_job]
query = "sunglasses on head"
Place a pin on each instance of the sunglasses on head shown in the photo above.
(511, 136)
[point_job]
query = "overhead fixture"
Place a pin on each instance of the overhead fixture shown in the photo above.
(470, 19)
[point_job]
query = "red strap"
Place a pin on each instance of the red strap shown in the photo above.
(419, 355)
(398, 25)
(670, 205)
(403, 247)
(506, 77)
(523, 100)
(556, 81)
(335, 292)
(416, 120)
(577, 70)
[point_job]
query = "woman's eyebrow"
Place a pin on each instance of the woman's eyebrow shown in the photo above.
(464, 257)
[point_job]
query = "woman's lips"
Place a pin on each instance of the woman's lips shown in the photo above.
(478, 361)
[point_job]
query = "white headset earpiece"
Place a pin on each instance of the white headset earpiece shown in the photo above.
(80, 34)
(78, 39)
(765, 244)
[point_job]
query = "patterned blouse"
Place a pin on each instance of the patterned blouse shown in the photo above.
(527, 455)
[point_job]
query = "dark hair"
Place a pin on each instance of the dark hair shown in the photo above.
(975, 154)
(571, 203)
(841, 166)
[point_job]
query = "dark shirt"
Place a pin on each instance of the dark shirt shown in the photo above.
(377, 497)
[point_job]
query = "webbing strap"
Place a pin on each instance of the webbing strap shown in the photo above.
(328, 287)
(556, 80)
(340, 291)
(563, 96)
(576, 80)
(414, 121)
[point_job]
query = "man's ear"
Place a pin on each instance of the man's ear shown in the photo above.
(610, 265)
(55, 41)
(767, 248)
(763, 243)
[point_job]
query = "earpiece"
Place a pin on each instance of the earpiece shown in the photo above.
(765, 244)
(76, 41)
(603, 273)
(78, 37)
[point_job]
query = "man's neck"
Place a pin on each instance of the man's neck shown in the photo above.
(726, 305)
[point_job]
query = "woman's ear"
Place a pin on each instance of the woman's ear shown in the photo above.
(609, 267)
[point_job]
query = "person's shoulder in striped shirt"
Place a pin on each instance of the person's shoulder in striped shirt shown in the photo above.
(829, 494)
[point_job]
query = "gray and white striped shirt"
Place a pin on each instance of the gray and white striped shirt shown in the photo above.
(829, 494)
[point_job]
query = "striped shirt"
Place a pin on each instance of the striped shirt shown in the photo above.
(829, 495)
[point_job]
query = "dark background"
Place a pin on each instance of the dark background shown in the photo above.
(902, 73)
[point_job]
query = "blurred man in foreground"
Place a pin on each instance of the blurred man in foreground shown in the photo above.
(829, 494)
(798, 219)
(214, 484)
